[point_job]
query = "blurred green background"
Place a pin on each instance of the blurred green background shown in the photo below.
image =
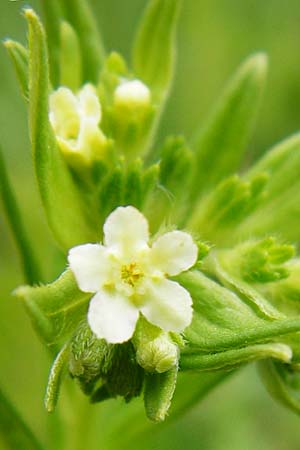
(214, 36)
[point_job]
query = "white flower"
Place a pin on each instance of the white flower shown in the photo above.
(132, 94)
(75, 120)
(130, 277)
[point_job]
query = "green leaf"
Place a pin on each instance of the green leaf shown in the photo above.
(282, 164)
(19, 57)
(14, 432)
(53, 14)
(234, 358)
(282, 381)
(221, 142)
(55, 378)
(159, 390)
(67, 213)
(79, 14)
(223, 321)
(55, 309)
(70, 58)
(15, 220)
(154, 50)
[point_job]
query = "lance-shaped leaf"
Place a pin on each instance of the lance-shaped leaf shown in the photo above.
(66, 211)
(70, 58)
(53, 14)
(55, 309)
(159, 390)
(29, 263)
(80, 16)
(282, 382)
(154, 51)
(235, 358)
(279, 209)
(222, 320)
(19, 57)
(221, 142)
(14, 432)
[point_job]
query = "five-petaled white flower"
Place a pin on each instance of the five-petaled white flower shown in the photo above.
(129, 277)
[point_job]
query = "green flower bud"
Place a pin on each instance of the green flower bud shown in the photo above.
(159, 355)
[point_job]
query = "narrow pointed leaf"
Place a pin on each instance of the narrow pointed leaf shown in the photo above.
(13, 430)
(19, 57)
(236, 357)
(70, 58)
(79, 14)
(15, 220)
(55, 378)
(53, 14)
(220, 144)
(55, 309)
(154, 51)
(159, 390)
(222, 320)
(67, 214)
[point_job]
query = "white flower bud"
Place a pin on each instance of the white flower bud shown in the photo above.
(132, 94)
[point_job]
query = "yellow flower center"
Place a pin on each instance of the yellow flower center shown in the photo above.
(131, 273)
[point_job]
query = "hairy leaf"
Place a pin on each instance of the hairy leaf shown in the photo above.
(55, 309)
(67, 214)
(222, 140)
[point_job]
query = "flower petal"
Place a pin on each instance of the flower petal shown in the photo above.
(168, 305)
(174, 252)
(89, 104)
(63, 113)
(112, 317)
(126, 231)
(90, 266)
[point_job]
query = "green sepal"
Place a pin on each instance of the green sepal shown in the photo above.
(217, 266)
(19, 56)
(282, 165)
(225, 207)
(55, 309)
(231, 359)
(67, 213)
(158, 393)
(14, 432)
(70, 58)
(120, 376)
(112, 190)
(154, 50)
(177, 163)
(282, 381)
(222, 140)
(55, 378)
(79, 14)
(285, 294)
(258, 261)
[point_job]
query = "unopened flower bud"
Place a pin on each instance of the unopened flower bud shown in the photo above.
(132, 95)
(158, 355)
